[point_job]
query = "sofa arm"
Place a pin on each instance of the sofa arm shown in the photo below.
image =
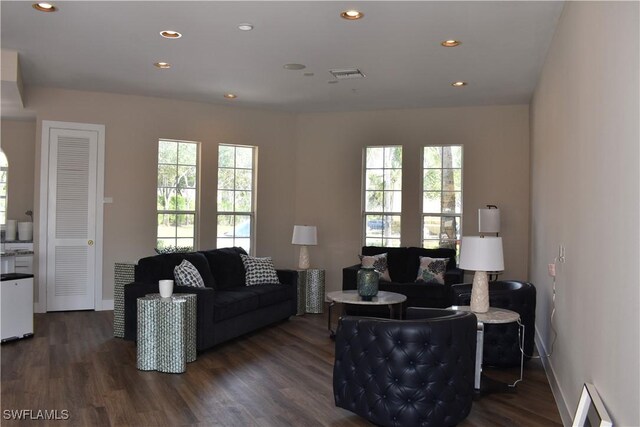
(288, 277)
(350, 277)
(454, 276)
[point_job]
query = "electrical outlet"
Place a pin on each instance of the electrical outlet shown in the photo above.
(552, 269)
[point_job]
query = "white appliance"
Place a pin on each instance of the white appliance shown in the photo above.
(16, 300)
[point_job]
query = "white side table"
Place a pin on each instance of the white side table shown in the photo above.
(494, 316)
(166, 332)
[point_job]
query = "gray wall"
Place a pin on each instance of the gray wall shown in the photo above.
(18, 144)
(585, 187)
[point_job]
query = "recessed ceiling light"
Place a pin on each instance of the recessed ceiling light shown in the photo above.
(162, 65)
(451, 43)
(230, 95)
(45, 7)
(352, 14)
(168, 34)
(245, 27)
(459, 84)
(294, 66)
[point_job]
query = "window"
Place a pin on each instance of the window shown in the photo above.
(177, 194)
(382, 195)
(236, 196)
(4, 171)
(442, 196)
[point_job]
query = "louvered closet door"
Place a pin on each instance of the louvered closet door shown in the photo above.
(71, 225)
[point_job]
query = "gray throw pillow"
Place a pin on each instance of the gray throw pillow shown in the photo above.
(259, 271)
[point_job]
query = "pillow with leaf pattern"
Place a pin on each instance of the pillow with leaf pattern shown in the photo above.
(432, 270)
(379, 264)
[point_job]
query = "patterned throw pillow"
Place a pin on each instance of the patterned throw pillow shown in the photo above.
(187, 275)
(379, 264)
(259, 271)
(432, 270)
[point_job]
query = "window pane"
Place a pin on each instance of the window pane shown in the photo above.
(450, 229)
(167, 175)
(243, 243)
(456, 154)
(185, 243)
(225, 201)
(431, 227)
(432, 179)
(452, 202)
(373, 241)
(168, 152)
(374, 157)
(185, 225)
(393, 179)
(225, 226)
(431, 202)
(392, 201)
(187, 154)
(374, 225)
(186, 199)
(186, 176)
(226, 156)
(392, 226)
(374, 179)
(432, 157)
(391, 243)
(431, 244)
(374, 201)
(393, 157)
(243, 201)
(225, 179)
(223, 242)
(448, 180)
(243, 226)
(166, 225)
(243, 179)
(164, 243)
(447, 157)
(244, 157)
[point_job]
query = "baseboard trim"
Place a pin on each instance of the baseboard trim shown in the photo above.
(107, 304)
(558, 395)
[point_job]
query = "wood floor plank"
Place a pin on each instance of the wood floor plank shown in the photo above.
(277, 376)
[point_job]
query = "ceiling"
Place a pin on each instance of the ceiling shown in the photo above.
(111, 46)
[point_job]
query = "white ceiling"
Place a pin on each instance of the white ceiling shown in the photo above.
(111, 46)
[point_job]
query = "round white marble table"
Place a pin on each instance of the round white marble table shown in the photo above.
(390, 299)
(494, 316)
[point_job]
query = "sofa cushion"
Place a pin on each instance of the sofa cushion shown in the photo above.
(259, 271)
(160, 267)
(187, 275)
(268, 294)
(431, 270)
(232, 303)
(396, 262)
(226, 267)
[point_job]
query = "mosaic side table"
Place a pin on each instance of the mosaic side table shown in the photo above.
(166, 332)
(314, 289)
(123, 274)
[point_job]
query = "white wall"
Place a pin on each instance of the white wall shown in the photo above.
(585, 195)
(329, 175)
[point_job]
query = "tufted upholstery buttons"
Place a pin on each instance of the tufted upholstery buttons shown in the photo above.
(501, 344)
(397, 380)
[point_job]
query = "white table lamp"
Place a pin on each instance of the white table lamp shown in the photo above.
(304, 235)
(481, 254)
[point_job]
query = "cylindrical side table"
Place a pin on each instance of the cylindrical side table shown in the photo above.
(166, 332)
(123, 274)
(302, 293)
(314, 279)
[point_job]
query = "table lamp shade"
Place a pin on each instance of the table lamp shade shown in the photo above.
(481, 253)
(305, 235)
(489, 220)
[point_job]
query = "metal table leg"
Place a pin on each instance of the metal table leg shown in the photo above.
(521, 344)
(332, 333)
(479, 349)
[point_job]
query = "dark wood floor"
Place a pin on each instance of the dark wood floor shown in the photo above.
(278, 376)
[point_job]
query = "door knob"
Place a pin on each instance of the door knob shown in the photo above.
(90, 242)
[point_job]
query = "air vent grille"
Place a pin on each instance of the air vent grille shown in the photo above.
(347, 73)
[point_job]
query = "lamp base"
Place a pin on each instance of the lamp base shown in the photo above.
(304, 263)
(480, 292)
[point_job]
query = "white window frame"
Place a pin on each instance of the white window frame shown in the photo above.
(232, 237)
(457, 215)
(4, 194)
(196, 210)
(385, 222)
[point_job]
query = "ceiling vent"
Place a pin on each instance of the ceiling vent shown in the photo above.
(347, 73)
